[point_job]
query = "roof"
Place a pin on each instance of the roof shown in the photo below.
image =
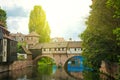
(50, 45)
(38, 46)
(26, 50)
(33, 34)
(58, 39)
(74, 44)
(4, 28)
(17, 34)
(8, 37)
(69, 44)
(55, 45)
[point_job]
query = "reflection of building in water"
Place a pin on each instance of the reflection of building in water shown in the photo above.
(4, 75)
(75, 64)
(21, 74)
(61, 74)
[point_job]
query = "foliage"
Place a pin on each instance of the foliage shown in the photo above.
(44, 70)
(19, 46)
(38, 23)
(91, 75)
(99, 42)
(45, 60)
(117, 33)
(21, 57)
(3, 17)
(116, 5)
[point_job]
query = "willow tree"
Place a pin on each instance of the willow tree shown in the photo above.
(39, 24)
(3, 17)
(99, 42)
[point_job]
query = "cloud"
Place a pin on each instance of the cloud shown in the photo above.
(66, 17)
(16, 11)
(18, 24)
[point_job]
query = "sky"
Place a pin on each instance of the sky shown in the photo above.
(65, 17)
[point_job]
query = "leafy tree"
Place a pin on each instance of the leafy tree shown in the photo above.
(117, 33)
(3, 17)
(38, 23)
(116, 5)
(99, 42)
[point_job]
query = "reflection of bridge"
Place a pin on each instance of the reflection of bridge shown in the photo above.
(60, 52)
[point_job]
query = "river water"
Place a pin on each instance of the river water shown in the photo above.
(50, 72)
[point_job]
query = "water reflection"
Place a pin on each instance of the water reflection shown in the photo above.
(50, 72)
(75, 68)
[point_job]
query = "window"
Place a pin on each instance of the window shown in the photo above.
(63, 49)
(50, 49)
(58, 49)
(55, 49)
(75, 49)
(44, 49)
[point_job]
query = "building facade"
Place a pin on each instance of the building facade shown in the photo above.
(18, 37)
(67, 47)
(8, 46)
(30, 40)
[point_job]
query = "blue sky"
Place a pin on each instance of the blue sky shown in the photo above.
(66, 17)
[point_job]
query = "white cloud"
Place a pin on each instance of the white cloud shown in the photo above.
(18, 24)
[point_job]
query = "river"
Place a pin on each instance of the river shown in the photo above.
(49, 72)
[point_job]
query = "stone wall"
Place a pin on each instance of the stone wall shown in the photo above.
(20, 65)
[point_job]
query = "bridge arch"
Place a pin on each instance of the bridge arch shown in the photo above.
(60, 59)
(71, 57)
(41, 56)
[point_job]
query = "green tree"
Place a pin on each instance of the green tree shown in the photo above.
(116, 5)
(38, 23)
(99, 42)
(3, 17)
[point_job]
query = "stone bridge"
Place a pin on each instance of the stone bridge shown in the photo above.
(60, 52)
(60, 59)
